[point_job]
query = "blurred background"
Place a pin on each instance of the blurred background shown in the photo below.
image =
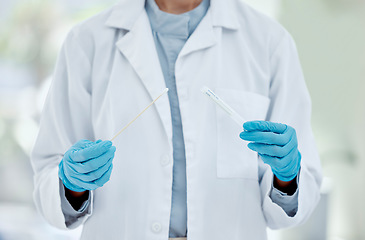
(330, 36)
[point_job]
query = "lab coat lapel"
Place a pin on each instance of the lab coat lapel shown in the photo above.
(138, 47)
(203, 36)
(220, 14)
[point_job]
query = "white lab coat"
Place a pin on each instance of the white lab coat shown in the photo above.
(108, 71)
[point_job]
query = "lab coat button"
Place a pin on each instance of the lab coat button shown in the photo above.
(165, 160)
(156, 227)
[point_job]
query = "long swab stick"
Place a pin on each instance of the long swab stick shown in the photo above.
(116, 135)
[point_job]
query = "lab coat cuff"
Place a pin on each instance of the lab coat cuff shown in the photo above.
(307, 197)
(289, 203)
(74, 218)
(277, 191)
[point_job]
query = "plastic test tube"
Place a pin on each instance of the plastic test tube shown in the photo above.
(232, 113)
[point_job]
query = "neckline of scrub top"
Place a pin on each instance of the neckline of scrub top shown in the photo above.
(179, 25)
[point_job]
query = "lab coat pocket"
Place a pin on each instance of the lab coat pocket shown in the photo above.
(234, 158)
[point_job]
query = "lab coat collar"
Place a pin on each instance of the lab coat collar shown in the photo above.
(126, 12)
(138, 47)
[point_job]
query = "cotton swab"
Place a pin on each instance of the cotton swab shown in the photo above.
(164, 91)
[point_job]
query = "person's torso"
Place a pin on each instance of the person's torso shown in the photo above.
(126, 76)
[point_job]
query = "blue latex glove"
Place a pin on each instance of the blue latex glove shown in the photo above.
(277, 146)
(87, 165)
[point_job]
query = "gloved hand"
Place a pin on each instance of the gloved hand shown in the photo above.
(277, 146)
(87, 165)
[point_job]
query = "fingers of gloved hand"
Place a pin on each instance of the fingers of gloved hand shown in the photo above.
(266, 137)
(274, 162)
(94, 175)
(284, 178)
(286, 166)
(271, 150)
(83, 143)
(93, 151)
(293, 141)
(71, 186)
(66, 182)
(90, 181)
(81, 184)
(264, 126)
(94, 163)
(105, 177)
(293, 159)
(289, 172)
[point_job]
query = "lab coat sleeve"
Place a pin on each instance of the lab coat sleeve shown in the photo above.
(289, 203)
(66, 118)
(291, 104)
(74, 217)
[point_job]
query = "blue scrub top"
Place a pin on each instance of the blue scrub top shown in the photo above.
(170, 33)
